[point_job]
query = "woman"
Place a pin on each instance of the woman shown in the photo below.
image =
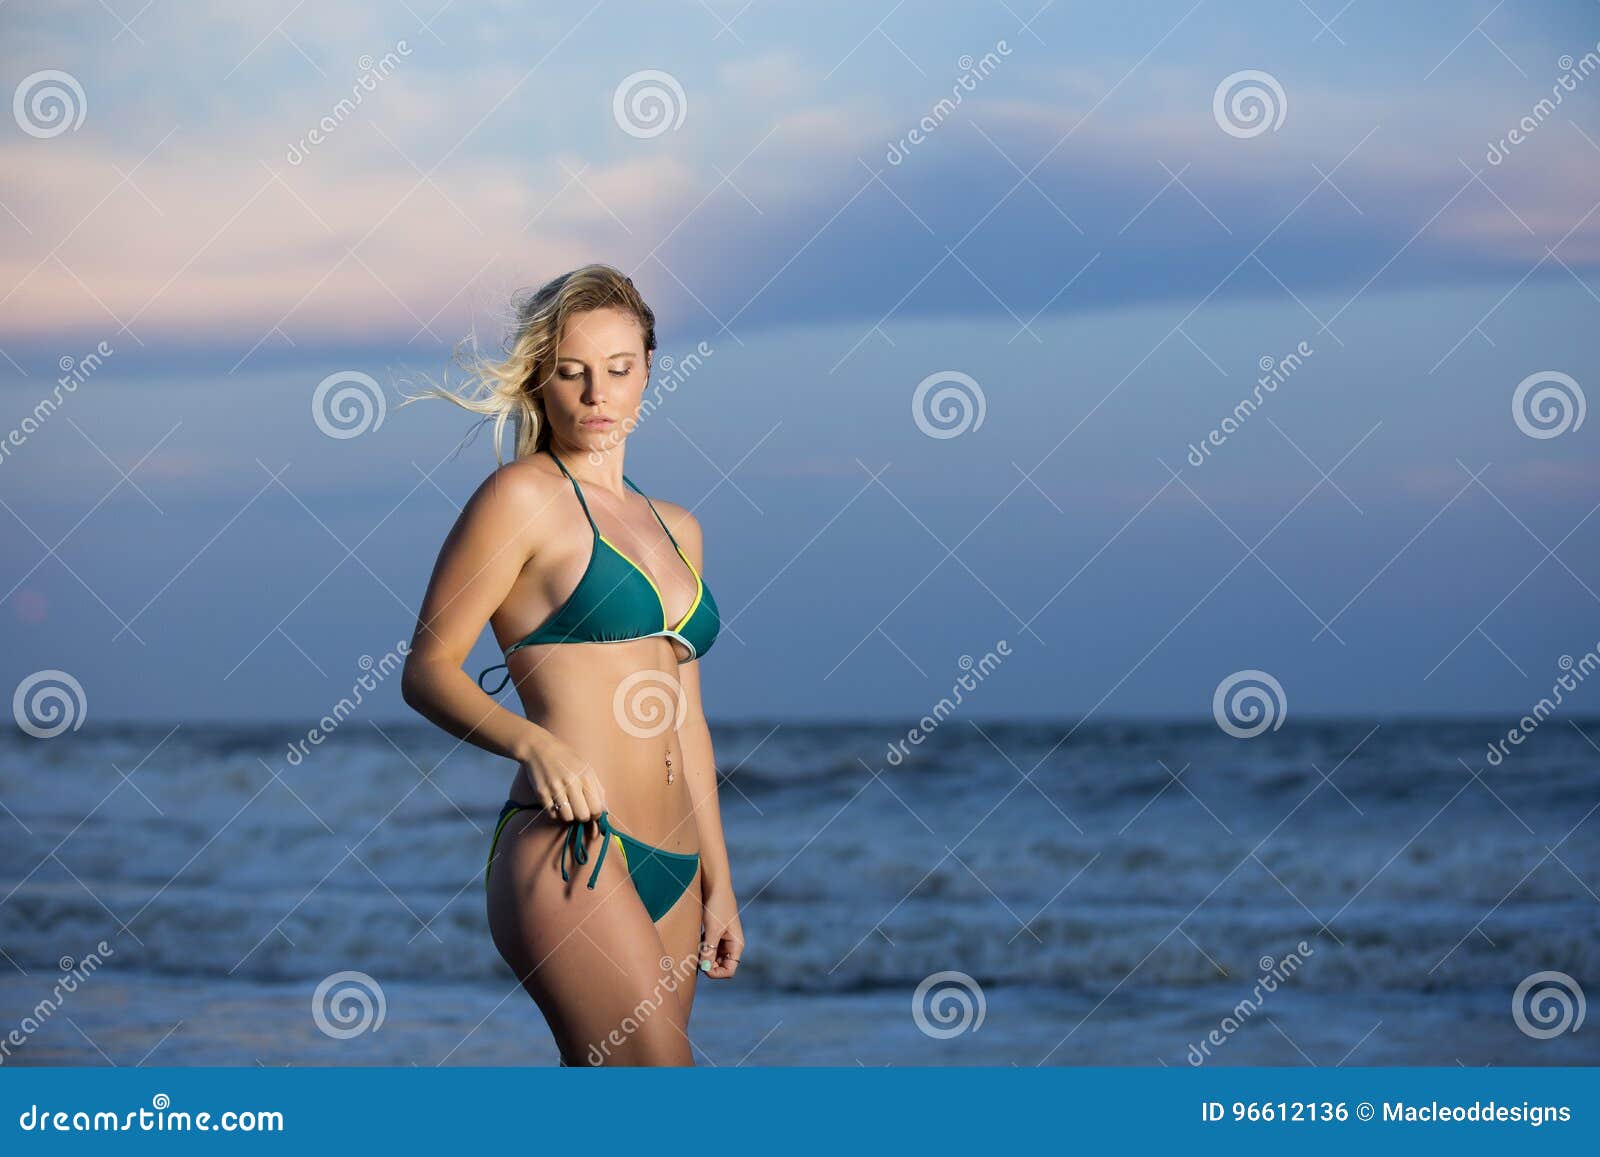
(608, 857)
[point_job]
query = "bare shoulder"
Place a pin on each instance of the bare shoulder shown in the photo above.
(515, 502)
(685, 527)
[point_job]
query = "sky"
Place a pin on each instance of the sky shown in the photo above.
(1092, 253)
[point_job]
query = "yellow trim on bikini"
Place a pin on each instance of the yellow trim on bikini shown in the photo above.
(699, 584)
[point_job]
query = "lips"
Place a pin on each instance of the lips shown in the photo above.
(598, 422)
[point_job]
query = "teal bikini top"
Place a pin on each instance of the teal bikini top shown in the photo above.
(616, 600)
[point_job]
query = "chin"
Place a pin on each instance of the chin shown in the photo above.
(601, 437)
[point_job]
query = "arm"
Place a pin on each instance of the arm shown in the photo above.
(496, 533)
(723, 939)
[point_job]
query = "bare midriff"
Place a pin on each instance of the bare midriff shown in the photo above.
(616, 705)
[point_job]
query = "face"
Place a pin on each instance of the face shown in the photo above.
(592, 398)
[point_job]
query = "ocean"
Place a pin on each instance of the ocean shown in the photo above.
(1341, 891)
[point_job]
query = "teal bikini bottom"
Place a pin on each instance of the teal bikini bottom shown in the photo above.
(659, 876)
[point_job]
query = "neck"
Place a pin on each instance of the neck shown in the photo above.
(601, 469)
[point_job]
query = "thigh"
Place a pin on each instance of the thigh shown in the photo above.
(591, 959)
(679, 929)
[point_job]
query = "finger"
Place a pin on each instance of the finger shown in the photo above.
(729, 951)
(708, 955)
(578, 800)
(718, 952)
(594, 794)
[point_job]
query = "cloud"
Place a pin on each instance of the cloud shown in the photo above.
(211, 229)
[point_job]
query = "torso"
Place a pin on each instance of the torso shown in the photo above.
(615, 704)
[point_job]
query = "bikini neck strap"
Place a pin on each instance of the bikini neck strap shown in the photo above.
(576, 489)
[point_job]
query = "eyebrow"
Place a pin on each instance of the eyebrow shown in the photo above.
(618, 354)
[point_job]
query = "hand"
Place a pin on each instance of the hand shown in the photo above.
(564, 783)
(723, 940)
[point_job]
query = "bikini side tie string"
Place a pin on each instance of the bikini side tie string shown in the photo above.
(578, 847)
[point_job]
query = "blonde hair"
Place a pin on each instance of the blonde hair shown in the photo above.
(508, 388)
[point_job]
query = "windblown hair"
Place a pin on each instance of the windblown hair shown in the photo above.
(510, 388)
